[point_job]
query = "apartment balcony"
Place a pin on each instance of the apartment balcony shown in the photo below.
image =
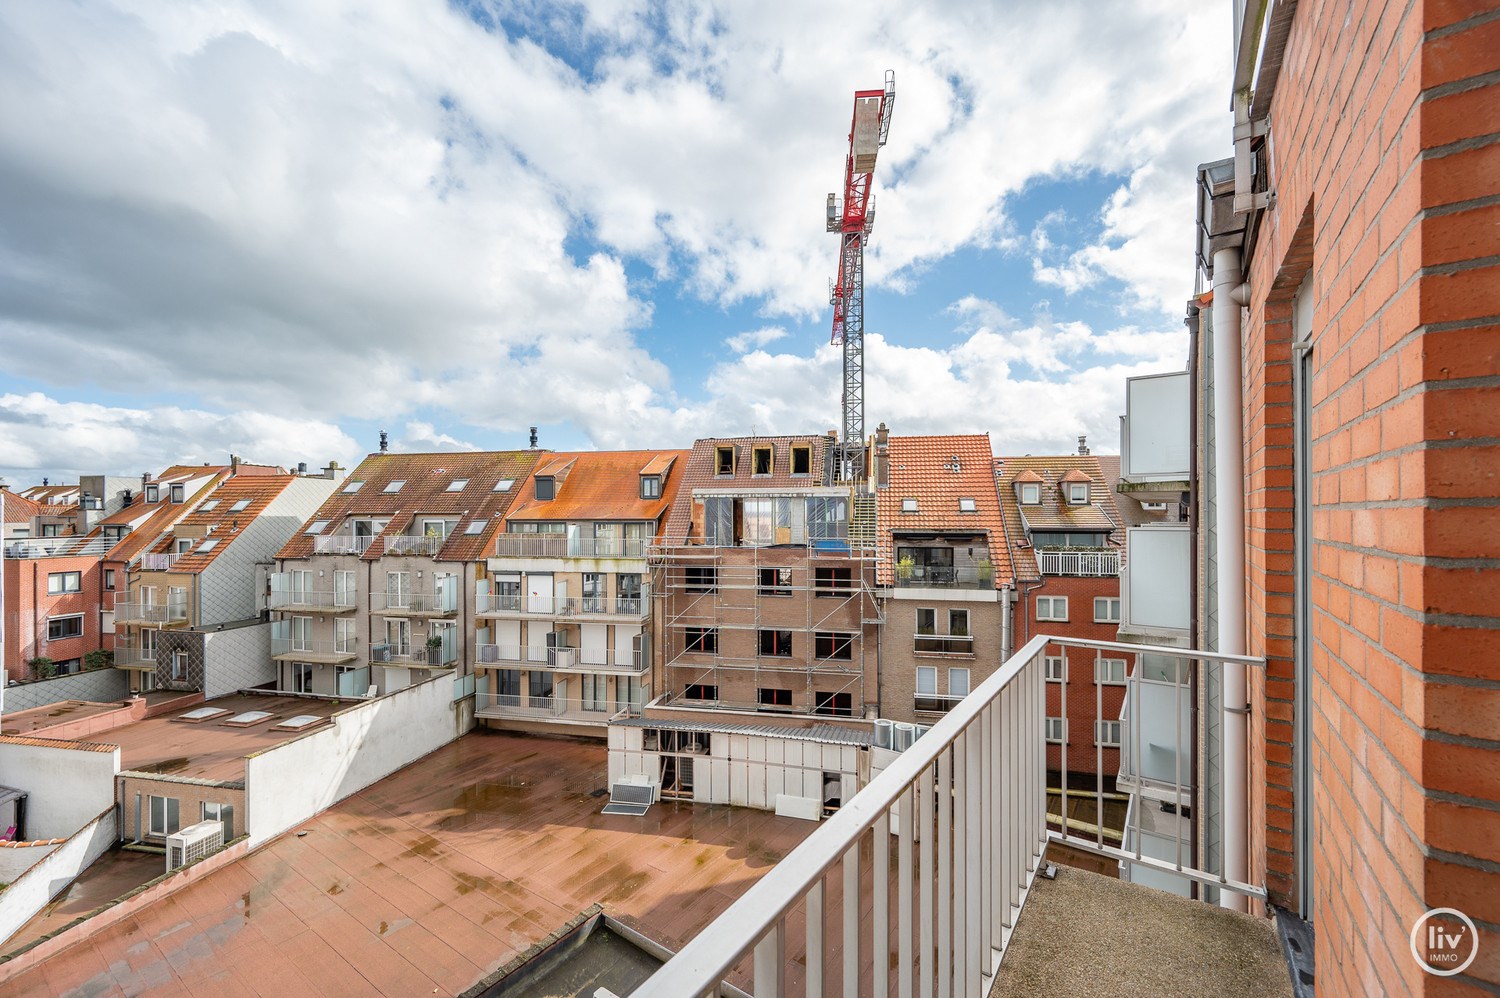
(130, 655)
(312, 600)
(342, 544)
(425, 545)
(563, 546)
(141, 612)
(1155, 449)
(1053, 561)
(941, 577)
(541, 708)
(285, 649)
(51, 547)
(443, 603)
(609, 607)
(932, 703)
(414, 656)
(578, 660)
(158, 562)
(515, 605)
(943, 644)
(935, 863)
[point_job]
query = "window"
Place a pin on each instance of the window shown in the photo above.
(394, 486)
(1052, 608)
(539, 686)
(302, 674)
(177, 493)
(926, 680)
(1078, 493)
(1031, 493)
(908, 505)
(833, 645)
(183, 545)
(50, 530)
(595, 695)
(179, 666)
(1068, 539)
(958, 682)
(1155, 507)
(628, 591)
(762, 461)
(239, 505)
(833, 704)
(926, 620)
(163, 815)
(967, 506)
(802, 460)
(832, 581)
(475, 527)
(1056, 668)
(650, 486)
(111, 533)
(109, 578)
(1106, 609)
(223, 814)
(504, 484)
(958, 623)
(702, 579)
(701, 639)
(774, 582)
(208, 546)
(64, 627)
(776, 644)
(64, 582)
(457, 485)
(700, 691)
(774, 698)
(1057, 730)
(1107, 733)
(627, 694)
(546, 488)
(723, 460)
(1109, 671)
(351, 487)
(316, 527)
(153, 493)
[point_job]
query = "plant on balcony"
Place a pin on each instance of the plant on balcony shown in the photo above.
(436, 641)
(99, 658)
(904, 568)
(985, 570)
(42, 667)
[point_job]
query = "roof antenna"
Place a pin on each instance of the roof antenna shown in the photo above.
(385, 443)
(533, 438)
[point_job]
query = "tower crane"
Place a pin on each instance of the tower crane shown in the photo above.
(853, 220)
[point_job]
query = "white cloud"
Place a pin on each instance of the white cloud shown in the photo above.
(754, 339)
(424, 437)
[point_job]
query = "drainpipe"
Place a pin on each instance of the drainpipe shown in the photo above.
(1229, 495)
(1007, 598)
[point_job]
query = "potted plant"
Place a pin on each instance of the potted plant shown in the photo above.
(42, 667)
(985, 570)
(435, 649)
(904, 568)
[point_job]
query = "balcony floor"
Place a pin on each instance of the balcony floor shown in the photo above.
(1083, 934)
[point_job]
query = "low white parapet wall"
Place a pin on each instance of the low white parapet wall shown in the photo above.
(50, 874)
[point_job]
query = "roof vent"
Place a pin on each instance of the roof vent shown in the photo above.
(385, 442)
(954, 465)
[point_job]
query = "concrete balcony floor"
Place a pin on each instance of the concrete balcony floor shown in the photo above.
(1084, 935)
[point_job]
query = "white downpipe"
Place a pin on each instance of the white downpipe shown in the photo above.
(1229, 499)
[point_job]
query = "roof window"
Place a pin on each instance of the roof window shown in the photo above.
(352, 487)
(239, 505)
(457, 485)
(316, 527)
(475, 527)
(208, 546)
(908, 505)
(211, 504)
(504, 484)
(967, 506)
(394, 486)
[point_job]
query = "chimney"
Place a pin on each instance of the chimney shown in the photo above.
(1083, 447)
(234, 464)
(533, 438)
(45, 482)
(882, 463)
(333, 471)
(385, 442)
(301, 467)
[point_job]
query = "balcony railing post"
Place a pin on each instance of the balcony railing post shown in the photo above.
(770, 961)
(851, 921)
(945, 875)
(926, 830)
(815, 940)
(904, 956)
(973, 858)
(880, 875)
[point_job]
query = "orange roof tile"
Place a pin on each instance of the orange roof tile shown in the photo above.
(1077, 475)
(427, 489)
(18, 507)
(222, 522)
(600, 485)
(161, 515)
(1053, 513)
(938, 471)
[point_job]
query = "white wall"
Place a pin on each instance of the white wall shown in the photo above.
(68, 787)
(294, 781)
(228, 584)
(1160, 571)
(236, 659)
(30, 892)
(1157, 444)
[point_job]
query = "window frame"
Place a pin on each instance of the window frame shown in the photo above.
(780, 699)
(700, 640)
(1031, 494)
(1051, 615)
(1102, 725)
(929, 672)
(776, 588)
(1104, 668)
(801, 455)
(63, 588)
(650, 486)
(710, 689)
(779, 638)
(968, 680)
(171, 816)
(758, 452)
(832, 641)
(1061, 674)
(1060, 724)
(1078, 494)
(65, 618)
(1108, 600)
(720, 453)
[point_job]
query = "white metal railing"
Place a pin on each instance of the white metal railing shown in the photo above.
(541, 606)
(137, 611)
(1102, 562)
(159, 562)
(47, 547)
(552, 706)
(602, 660)
(433, 656)
(964, 809)
(131, 653)
(563, 546)
(342, 544)
(311, 599)
(420, 544)
(626, 606)
(395, 603)
(282, 647)
(510, 655)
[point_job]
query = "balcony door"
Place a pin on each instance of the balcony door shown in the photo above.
(539, 594)
(301, 585)
(398, 590)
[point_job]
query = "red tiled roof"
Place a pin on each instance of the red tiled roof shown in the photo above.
(1077, 475)
(223, 523)
(163, 513)
(64, 743)
(699, 468)
(1132, 513)
(600, 485)
(427, 479)
(1053, 513)
(18, 507)
(938, 471)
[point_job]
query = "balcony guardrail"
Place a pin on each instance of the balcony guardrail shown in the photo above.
(553, 707)
(563, 546)
(313, 651)
(946, 644)
(409, 655)
(518, 655)
(625, 606)
(932, 703)
(131, 655)
(312, 599)
(140, 612)
(937, 577)
(415, 544)
(428, 604)
(342, 544)
(522, 605)
(50, 547)
(1102, 562)
(964, 810)
(158, 562)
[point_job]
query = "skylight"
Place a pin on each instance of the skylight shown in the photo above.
(475, 527)
(208, 546)
(967, 506)
(908, 505)
(352, 487)
(300, 721)
(239, 504)
(395, 486)
(248, 718)
(504, 484)
(211, 504)
(316, 527)
(457, 485)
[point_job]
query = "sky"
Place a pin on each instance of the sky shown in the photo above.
(275, 229)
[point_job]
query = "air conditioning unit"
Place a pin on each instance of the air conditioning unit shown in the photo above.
(193, 843)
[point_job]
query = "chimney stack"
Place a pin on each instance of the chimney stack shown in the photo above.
(333, 471)
(301, 467)
(234, 464)
(385, 443)
(533, 438)
(1083, 447)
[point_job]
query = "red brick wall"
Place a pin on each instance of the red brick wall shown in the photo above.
(1387, 175)
(27, 607)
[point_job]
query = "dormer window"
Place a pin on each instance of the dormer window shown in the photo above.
(395, 486)
(546, 488)
(724, 461)
(762, 461)
(967, 506)
(908, 505)
(177, 493)
(801, 460)
(1031, 493)
(457, 485)
(650, 486)
(184, 545)
(153, 493)
(1078, 494)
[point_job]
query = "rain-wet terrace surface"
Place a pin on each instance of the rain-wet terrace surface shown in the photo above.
(430, 880)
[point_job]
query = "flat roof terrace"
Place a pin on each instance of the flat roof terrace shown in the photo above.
(431, 880)
(36, 720)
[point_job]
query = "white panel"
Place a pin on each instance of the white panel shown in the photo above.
(756, 778)
(808, 808)
(739, 747)
(757, 749)
(1160, 570)
(1156, 424)
(792, 752)
(594, 638)
(850, 759)
(508, 633)
(737, 783)
(775, 750)
(719, 773)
